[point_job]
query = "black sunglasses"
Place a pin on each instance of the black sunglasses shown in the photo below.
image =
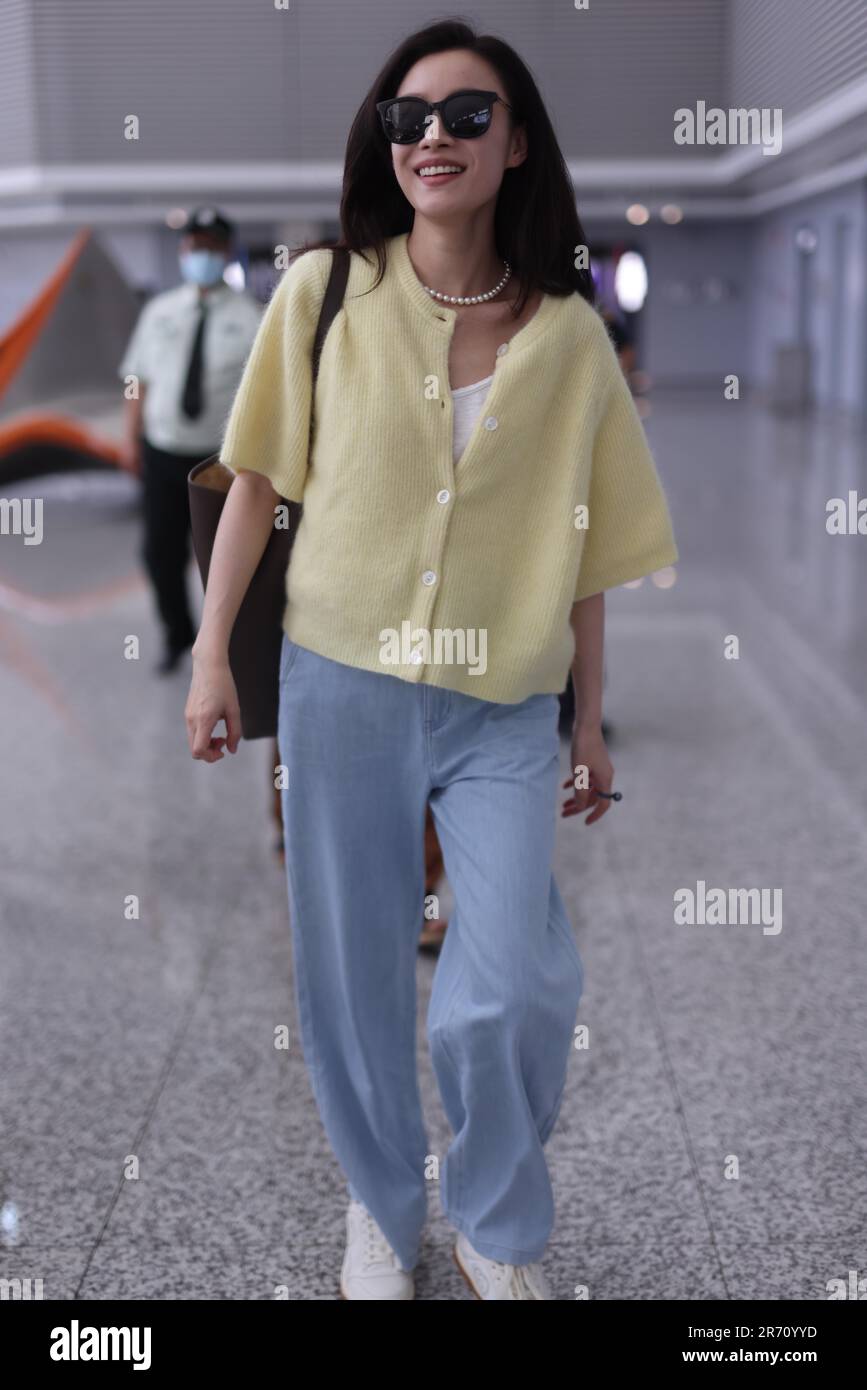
(466, 114)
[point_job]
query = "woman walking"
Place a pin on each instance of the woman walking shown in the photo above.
(477, 477)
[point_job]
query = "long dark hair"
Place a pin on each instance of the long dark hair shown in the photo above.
(536, 224)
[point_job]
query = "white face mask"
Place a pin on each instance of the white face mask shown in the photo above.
(201, 266)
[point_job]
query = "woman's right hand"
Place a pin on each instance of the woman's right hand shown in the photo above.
(212, 697)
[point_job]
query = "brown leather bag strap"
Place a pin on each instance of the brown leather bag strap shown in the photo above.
(332, 300)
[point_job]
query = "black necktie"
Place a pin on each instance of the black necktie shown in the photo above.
(192, 397)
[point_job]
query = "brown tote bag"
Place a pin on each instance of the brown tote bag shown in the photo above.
(254, 646)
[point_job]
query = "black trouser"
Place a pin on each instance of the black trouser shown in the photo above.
(166, 543)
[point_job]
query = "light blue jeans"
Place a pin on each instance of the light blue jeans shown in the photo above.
(365, 751)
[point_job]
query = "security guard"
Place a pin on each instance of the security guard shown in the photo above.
(187, 352)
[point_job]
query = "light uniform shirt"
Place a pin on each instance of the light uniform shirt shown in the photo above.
(555, 496)
(158, 353)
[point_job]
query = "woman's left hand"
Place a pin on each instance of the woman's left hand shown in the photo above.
(589, 750)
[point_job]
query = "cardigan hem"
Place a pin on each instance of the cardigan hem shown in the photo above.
(503, 687)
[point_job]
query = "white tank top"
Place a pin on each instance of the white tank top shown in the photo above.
(468, 402)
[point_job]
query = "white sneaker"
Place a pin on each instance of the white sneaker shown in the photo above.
(371, 1268)
(494, 1280)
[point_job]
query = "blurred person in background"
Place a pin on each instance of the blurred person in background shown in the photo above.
(187, 352)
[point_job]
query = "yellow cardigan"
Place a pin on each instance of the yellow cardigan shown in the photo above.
(405, 563)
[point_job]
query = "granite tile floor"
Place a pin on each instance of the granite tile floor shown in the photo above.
(713, 1139)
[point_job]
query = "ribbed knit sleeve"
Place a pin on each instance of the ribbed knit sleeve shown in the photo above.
(629, 531)
(268, 428)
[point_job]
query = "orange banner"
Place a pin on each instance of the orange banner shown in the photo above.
(16, 343)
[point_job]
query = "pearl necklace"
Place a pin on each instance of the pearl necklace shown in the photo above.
(471, 298)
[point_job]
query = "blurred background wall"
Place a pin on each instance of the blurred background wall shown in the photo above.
(249, 105)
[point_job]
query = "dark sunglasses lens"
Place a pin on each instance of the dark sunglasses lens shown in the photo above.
(468, 114)
(404, 120)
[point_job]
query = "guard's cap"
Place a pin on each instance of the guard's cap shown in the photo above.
(208, 219)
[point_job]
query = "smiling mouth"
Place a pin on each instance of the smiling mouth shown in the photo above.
(438, 173)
